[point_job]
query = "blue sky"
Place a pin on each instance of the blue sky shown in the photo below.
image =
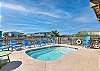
(29, 16)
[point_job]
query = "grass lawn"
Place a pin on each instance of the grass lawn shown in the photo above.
(2, 63)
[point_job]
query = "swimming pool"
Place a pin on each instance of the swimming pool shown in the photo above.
(49, 53)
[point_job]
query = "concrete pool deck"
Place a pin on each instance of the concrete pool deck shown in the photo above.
(81, 60)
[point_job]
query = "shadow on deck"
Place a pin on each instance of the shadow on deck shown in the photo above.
(11, 66)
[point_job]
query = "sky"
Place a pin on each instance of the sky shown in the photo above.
(30, 16)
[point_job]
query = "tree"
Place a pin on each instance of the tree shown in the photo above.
(54, 33)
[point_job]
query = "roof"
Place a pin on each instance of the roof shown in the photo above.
(95, 1)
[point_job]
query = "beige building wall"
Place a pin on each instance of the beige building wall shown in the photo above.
(96, 33)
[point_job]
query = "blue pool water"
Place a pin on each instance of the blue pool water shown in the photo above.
(49, 53)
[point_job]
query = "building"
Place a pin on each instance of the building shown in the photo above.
(95, 4)
(41, 34)
(0, 34)
(94, 33)
(8, 36)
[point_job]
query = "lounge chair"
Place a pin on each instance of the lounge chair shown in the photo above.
(37, 43)
(13, 45)
(5, 53)
(43, 42)
(27, 43)
(3, 47)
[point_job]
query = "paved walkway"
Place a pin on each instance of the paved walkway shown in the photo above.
(81, 60)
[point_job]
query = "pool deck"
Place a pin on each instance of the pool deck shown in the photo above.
(81, 60)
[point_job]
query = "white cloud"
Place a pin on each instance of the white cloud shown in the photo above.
(0, 16)
(24, 25)
(0, 4)
(86, 16)
(56, 13)
(10, 30)
(13, 6)
(84, 19)
(48, 14)
(0, 20)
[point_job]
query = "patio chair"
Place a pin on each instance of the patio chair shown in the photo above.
(37, 43)
(2, 48)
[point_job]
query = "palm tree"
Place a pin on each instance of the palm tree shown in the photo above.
(53, 35)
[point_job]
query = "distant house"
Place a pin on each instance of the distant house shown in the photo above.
(10, 34)
(7, 36)
(13, 34)
(40, 34)
(89, 33)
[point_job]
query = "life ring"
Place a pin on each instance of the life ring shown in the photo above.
(78, 41)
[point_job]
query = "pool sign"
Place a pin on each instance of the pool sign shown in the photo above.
(78, 41)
